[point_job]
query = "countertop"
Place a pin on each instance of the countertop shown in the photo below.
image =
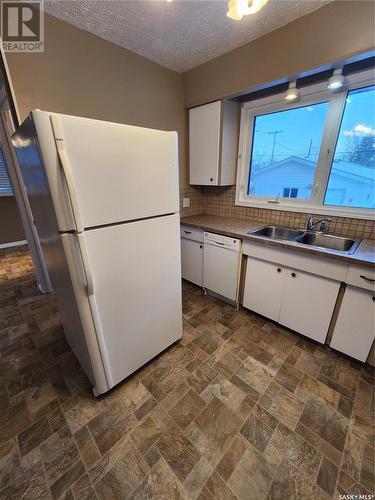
(236, 228)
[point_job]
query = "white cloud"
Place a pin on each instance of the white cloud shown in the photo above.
(359, 129)
(362, 129)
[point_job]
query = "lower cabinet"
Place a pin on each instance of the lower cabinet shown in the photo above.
(301, 301)
(192, 261)
(354, 330)
(263, 290)
(308, 304)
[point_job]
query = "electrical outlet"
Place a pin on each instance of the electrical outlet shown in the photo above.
(185, 202)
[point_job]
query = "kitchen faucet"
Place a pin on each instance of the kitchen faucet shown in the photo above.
(311, 224)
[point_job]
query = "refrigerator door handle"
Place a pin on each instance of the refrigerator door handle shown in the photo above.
(85, 263)
(67, 170)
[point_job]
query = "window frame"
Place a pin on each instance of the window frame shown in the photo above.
(310, 95)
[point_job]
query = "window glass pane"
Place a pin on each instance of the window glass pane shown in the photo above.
(5, 186)
(285, 150)
(351, 180)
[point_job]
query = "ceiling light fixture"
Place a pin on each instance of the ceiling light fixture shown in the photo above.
(336, 82)
(239, 8)
(292, 93)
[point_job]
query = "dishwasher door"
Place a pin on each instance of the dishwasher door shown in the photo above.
(221, 265)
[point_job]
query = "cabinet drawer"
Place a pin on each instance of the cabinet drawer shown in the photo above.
(191, 233)
(363, 277)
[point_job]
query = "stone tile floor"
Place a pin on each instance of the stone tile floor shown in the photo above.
(240, 408)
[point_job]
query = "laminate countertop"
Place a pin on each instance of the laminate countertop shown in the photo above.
(236, 228)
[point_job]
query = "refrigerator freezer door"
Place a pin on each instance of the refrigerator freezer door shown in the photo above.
(116, 172)
(136, 300)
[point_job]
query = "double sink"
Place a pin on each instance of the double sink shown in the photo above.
(309, 238)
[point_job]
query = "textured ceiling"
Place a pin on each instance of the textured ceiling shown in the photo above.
(181, 34)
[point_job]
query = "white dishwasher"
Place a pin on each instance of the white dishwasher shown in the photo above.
(221, 265)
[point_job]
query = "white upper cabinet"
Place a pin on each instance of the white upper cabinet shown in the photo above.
(213, 141)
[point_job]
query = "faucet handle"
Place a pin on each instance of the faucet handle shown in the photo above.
(310, 220)
(325, 221)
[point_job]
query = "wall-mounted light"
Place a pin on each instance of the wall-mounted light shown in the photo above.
(336, 82)
(239, 8)
(292, 93)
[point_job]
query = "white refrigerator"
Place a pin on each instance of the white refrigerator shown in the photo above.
(104, 198)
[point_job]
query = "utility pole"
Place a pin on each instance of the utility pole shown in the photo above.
(274, 133)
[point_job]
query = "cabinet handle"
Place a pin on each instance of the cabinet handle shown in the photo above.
(211, 179)
(373, 299)
(200, 246)
(278, 270)
(187, 232)
(293, 275)
(367, 279)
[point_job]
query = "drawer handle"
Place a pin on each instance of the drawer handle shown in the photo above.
(187, 232)
(373, 299)
(293, 275)
(200, 246)
(367, 279)
(219, 243)
(278, 270)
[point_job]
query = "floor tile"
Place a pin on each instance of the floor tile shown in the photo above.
(31, 486)
(216, 426)
(87, 447)
(252, 474)
(10, 466)
(256, 432)
(145, 434)
(189, 424)
(187, 408)
(325, 421)
(59, 453)
(125, 475)
(290, 483)
(327, 476)
(255, 375)
(34, 436)
(284, 406)
(113, 424)
(225, 391)
(288, 376)
(161, 483)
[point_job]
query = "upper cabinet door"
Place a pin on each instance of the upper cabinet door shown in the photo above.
(204, 130)
(213, 141)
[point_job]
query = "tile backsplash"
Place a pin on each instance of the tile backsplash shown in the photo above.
(220, 201)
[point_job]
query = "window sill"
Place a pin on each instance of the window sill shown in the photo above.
(6, 194)
(352, 213)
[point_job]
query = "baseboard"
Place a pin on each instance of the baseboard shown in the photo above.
(13, 244)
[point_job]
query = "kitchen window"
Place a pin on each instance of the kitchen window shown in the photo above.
(316, 155)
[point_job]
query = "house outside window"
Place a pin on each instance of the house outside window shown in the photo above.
(317, 155)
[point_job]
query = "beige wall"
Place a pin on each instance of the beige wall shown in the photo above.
(332, 33)
(10, 222)
(82, 74)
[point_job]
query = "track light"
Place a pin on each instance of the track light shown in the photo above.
(336, 82)
(292, 93)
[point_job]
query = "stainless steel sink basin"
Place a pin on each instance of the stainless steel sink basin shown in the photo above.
(310, 238)
(338, 243)
(277, 233)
